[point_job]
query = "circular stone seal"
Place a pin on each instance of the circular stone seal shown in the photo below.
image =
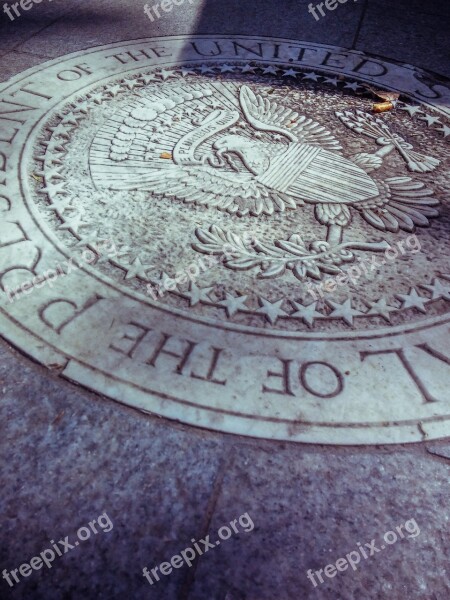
(244, 234)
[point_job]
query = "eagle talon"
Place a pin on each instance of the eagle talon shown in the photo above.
(320, 246)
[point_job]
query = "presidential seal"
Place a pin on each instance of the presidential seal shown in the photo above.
(223, 232)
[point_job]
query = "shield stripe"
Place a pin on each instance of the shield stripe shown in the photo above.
(330, 178)
(285, 168)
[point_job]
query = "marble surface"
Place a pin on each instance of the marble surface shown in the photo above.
(161, 196)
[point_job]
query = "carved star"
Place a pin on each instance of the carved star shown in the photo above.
(445, 130)
(271, 310)
(166, 120)
(248, 69)
(430, 120)
(344, 311)
(412, 110)
(69, 119)
(238, 127)
(352, 85)
(89, 239)
(97, 98)
(146, 79)
(271, 70)
(290, 73)
(167, 74)
(60, 204)
(233, 304)
(214, 103)
(381, 308)
(55, 150)
(227, 68)
(137, 269)
(189, 113)
(205, 69)
(334, 81)
(158, 128)
(60, 131)
(413, 300)
(130, 83)
(73, 223)
(308, 313)
(439, 290)
(104, 258)
(160, 281)
(196, 294)
(52, 189)
(82, 107)
(51, 173)
(312, 76)
(186, 72)
(114, 90)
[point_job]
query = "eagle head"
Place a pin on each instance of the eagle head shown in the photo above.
(254, 154)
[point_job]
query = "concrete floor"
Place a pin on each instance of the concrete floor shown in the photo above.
(68, 455)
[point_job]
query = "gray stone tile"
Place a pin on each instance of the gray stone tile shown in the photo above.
(107, 22)
(387, 29)
(14, 34)
(432, 7)
(311, 507)
(408, 36)
(14, 62)
(289, 18)
(87, 25)
(67, 458)
(29, 23)
(440, 449)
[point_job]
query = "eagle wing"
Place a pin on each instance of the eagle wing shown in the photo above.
(402, 204)
(267, 115)
(236, 193)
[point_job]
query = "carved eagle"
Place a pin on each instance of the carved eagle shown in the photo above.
(226, 147)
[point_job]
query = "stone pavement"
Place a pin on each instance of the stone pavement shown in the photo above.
(69, 455)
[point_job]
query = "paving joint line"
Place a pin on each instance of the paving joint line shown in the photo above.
(360, 24)
(189, 581)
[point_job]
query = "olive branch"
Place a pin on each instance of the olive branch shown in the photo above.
(274, 259)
